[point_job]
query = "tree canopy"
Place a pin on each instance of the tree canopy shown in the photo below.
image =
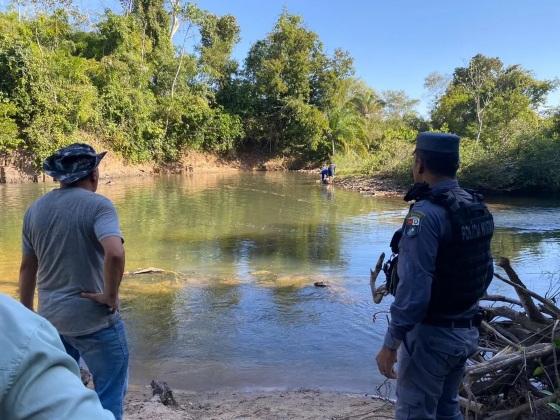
(159, 79)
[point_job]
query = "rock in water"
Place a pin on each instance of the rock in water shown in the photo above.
(320, 284)
(164, 392)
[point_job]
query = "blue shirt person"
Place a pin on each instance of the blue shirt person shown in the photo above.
(73, 252)
(327, 171)
(434, 316)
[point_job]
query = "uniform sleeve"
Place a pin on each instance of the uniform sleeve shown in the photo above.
(106, 221)
(416, 268)
(47, 384)
(27, 246)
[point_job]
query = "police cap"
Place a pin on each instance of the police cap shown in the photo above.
(437, 142)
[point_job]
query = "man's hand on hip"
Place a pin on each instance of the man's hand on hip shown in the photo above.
(103, 299)
(386, 359)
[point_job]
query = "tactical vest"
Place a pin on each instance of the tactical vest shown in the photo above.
(464, 261)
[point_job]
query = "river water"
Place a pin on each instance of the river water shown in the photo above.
(239, 309)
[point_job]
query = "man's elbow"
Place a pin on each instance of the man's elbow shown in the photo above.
(115, 256)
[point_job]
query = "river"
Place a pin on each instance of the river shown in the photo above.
(240, 310)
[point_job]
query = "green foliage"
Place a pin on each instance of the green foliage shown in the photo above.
(131, 83)
(122, 82)
(489, 102)
(291, 84)
(9, 135)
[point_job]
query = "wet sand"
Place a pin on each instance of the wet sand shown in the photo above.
(300, 404)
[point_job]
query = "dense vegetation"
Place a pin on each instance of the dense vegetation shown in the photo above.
(159, 79)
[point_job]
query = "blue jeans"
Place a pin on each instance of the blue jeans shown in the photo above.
(106, 355)
(431, 365)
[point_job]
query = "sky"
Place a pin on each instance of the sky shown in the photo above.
(397, 43)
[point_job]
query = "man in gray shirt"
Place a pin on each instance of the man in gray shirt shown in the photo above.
(73, 252)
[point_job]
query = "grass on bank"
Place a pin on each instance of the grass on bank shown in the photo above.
(521, 165)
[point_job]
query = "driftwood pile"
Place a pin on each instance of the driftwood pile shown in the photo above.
(515, 373)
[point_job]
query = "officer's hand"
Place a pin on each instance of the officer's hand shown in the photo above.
(103, 299)
(386, 360)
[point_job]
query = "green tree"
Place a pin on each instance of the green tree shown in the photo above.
(485, 98)
(292, 83)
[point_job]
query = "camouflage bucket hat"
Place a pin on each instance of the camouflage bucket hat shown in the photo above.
(72, 163)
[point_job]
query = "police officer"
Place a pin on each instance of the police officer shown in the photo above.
(444, 268)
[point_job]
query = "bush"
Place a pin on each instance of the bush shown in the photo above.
(526, 164)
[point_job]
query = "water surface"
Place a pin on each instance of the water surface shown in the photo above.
(239, 309)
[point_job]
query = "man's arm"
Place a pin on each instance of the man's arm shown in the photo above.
(113, 270)
(417, 258)
(28, 279)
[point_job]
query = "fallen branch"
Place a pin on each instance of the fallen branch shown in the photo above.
(514, 316)
(498, 334)
(530, 308)
(502, 362)
(547, 303)
(373, 274)
(471, 406)
(531, 405)
(500, 298)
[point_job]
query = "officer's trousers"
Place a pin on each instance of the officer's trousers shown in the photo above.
(431, 365)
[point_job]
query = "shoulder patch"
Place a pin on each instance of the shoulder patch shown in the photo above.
(413, 223)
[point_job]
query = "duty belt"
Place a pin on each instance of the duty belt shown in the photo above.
(454, 323)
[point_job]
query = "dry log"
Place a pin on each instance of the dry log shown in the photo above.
(514, 412)
(380, 293)
(530, 308)
(517, 317)
(499, 334)
(500, 298)
(546, 302)
(471, 406)
(502, 362)
(373, 274)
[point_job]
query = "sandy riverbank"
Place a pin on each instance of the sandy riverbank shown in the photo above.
(19, 168)
(300, 404)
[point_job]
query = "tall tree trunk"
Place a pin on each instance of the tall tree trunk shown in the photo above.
(479, 111)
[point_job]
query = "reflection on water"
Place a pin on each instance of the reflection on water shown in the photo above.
(241, 310)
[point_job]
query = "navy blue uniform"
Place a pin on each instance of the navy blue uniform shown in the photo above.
(431, 359)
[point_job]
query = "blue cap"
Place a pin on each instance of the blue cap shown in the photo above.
(437, 142)
(72, 163)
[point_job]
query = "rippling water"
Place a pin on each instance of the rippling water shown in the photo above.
(241, 311)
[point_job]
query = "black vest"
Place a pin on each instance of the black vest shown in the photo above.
(464, 261)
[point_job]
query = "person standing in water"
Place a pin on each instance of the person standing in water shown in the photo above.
(73, 252)
(327, 172)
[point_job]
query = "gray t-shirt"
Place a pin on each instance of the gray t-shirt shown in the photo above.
(64, 229)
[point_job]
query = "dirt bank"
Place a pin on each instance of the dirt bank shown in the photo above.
(19, 168)
(301, 404)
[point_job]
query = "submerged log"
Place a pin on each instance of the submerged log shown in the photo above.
(149, 270)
